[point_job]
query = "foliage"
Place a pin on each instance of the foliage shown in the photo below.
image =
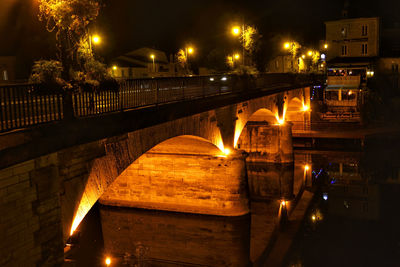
(245, 70)
(47, 74)
(181, 58)
(77, 66)
(46, 71)
(69, 15)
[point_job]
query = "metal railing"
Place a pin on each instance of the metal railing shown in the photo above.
(28, 104)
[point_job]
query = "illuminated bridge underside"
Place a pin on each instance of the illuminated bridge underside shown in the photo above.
(221, 127)
(184, 174)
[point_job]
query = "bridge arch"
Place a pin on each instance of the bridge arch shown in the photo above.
(122, 151)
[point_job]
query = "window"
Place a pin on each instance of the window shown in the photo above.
(364, 30)
(5, 75)
(344, 50)
(364, 49)
(344, 32)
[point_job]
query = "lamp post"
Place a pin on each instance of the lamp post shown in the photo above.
(188, 51)
(236, 31)
(152, 56)
(94, 39)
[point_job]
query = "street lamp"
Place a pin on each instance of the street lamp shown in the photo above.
(96, 39)
(236, 32)
(152, 56)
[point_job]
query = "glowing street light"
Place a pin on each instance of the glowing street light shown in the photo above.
(108, 261)
(236, 30)
(286, 45)
(236, 56)
(306, 167)
(303, 56)
(325, 46)
(190, 50)
(310, 53)
(96, 39)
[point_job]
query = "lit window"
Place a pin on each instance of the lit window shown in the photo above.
(5, 75)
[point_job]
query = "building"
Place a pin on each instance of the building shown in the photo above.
(351, 58)
(7, 69)
(142, 63)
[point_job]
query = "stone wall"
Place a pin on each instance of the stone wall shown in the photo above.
(194, 183)
(267, 143)
(30, 223)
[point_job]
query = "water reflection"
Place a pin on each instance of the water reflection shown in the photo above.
(270, 181)
(353, 220)
(151, 238)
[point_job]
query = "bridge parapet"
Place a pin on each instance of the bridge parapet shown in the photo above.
(27, 105)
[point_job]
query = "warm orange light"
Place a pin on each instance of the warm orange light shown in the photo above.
(281, 121)
(326, 46)
(283, 202)
(350, 92)
(227, 151)
(303, 56)
(306, 167)
(96, 39)
(114, 67)
(108, 261)
(190, 50)
(236, 56)
(313, 218)
(286, 45)
(152, 56)
(306, 108)
(236, 30)
(310, 53)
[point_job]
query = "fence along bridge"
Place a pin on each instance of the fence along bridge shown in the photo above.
(25, 105)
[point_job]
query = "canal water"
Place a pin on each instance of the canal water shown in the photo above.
(353, 219)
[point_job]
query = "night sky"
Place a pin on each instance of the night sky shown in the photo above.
(169, 25)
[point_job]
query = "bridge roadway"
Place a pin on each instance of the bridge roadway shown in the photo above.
(36, 124)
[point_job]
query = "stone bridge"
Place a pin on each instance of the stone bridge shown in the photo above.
(184, 156)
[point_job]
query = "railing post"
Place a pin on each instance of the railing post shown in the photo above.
(157, 92)
(183, 88)
(68, 108)
(203, 86)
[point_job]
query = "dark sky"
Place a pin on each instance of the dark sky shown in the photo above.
(170, 24)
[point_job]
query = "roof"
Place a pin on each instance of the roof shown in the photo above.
(352, 61)
(140, 58)
(349, 20)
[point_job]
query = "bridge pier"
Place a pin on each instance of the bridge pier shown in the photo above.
(265, 142)
(212, 183)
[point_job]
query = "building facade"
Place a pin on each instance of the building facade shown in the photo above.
(353, 51)
(142, 63)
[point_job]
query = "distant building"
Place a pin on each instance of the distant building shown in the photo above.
(142, 63)
(353, 51)
(7, 69)
(286, 63)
